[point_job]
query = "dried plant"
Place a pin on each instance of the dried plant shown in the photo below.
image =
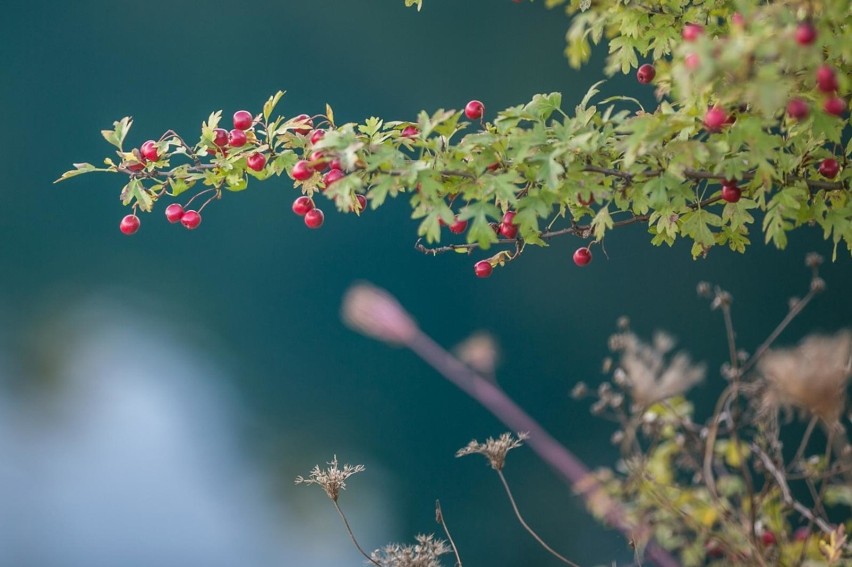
(495, 450)
(812, 376)
(686, 493)
(425, 553)
(648, 376)
(332, 479)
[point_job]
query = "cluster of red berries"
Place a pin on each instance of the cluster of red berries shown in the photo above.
(174, 213)
(317, 162)
(716, 117)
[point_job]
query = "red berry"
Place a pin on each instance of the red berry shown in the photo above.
(332, 177)
(797, 109)
(318, 161)
(646, 73)
(483, 269)
(191, 220)
(806, 33)
(314, 218)
(242, 120)
(305, 124)
(829, 168)
(174, 213)
(458, 226)
(582, 256)
(135, 166)
(302, 205)
(692, 61)
(768, 538)
(256, 161)
(335, 164)
(474, 110)
(826, 79)
(731, 193)
(714, 119)
(508, 230)
(317, 135)
(149, 150)
(361, 206)
(493, 166)
(129, 224)
(509, 217)
(220, 137)
(692, 31)
(237, 138)
(302, 171)
(410, 131)
(835, 105)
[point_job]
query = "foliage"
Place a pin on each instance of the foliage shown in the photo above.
(606, 163)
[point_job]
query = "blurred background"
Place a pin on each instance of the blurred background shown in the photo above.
(158, 394)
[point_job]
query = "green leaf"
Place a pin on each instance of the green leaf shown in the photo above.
(79, 169)
(601, 223)
(410, 3)
(135, 193)
(118, 133)
(270, 104)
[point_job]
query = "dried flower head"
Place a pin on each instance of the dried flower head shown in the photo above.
(376, 313)
(812, 376)
(425, 553)
(647, 375)
(494, 450)
(332, 479)
(480, 352)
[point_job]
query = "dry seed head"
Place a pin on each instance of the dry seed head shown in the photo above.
(494, 450)
(425, 553)
(812, 376)
(480, 352)
(332, 479)
(649, 376)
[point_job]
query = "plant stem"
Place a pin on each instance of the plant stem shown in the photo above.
(439, 517)
(526, 526)
(352, 535)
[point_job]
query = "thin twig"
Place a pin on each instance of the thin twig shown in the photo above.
(761, 350)
(352, 535)
(804, 444)
(786, 495)
(526, 526)
(439, 517)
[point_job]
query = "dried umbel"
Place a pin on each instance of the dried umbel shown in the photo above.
(480, 352)
(648, 376)
(376, 313)
(811, 376)
(494, 450)
(425, 553)
(332, 479)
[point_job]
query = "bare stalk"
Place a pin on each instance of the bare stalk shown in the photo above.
(792, 314)
(439, 517)
(526, 526)
(786, 495)
(352, 535)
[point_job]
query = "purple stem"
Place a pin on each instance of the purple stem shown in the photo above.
(560, 459)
